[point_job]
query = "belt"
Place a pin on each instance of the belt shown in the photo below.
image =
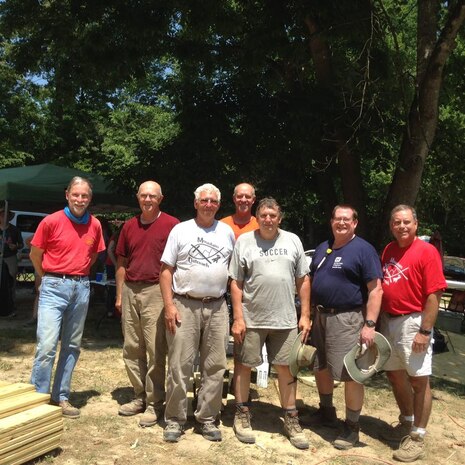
(204, 300)
(333, 310)
(397, 315)
(74, 277)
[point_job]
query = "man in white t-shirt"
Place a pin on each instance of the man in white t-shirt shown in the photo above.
(193, 280)
(266, 267)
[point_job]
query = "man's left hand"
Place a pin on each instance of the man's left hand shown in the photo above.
(420, 343)
(367, 336)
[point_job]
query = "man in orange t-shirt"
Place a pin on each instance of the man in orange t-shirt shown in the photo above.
(242, 221)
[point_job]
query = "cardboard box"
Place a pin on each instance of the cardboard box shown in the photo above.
(451, 321)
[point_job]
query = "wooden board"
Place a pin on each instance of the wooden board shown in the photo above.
(12, 444)
(29, 433)
(16, 404)
(32, 450)
(28, 419)
(15, 389)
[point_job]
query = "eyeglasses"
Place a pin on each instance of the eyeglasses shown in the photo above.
(343, 219)
(148, 196)
(206, 201)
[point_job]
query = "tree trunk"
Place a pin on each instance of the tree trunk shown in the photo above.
(421, 125)
(348, 163)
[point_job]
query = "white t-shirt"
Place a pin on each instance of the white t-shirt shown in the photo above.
(268, 270)
(200, 257)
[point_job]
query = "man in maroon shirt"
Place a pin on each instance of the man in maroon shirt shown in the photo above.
(140, 246)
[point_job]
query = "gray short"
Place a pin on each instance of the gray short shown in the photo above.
(334, 335)
(278, 346)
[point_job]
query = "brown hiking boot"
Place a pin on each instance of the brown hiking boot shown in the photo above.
(349, 437)
(294, 432)
(411, 448)
(242, 427)
(324, 416)
(67, 410)
(395, 434)
(132, 408)
(149, 417)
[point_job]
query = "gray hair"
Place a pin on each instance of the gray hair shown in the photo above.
(209, 188)
(79, 180)
(269, 202)
(403, 207)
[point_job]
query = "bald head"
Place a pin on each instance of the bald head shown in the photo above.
(149, 196)
(243, 198)
(150, 185)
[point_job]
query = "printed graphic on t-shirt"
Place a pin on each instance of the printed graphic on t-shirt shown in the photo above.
(205, 253)
(338, 263)
(393, 271)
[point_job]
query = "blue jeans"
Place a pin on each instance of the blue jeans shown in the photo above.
(63, 305)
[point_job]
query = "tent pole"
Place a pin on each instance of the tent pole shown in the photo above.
(5, 218)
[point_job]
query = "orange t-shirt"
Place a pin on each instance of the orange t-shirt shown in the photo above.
(239, 229)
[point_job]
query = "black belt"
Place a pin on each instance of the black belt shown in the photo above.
(333, 310)
(204, 300)
(397, 315)
(74, 277)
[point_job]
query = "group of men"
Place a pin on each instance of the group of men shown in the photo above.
(171, 282)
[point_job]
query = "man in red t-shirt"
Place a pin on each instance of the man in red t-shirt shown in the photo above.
(413, 283)
(139, 249)
(63, 249)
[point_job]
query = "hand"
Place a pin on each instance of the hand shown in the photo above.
(172, 318)
(305, 325)
(367, 336)
(118, 305)
(238, 330)
(420, 343)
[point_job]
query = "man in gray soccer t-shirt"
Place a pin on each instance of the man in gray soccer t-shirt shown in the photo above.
(267, 266)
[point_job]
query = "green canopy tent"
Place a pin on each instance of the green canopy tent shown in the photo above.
(42, 188)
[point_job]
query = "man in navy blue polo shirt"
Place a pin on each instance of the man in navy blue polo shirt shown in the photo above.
(346, 298)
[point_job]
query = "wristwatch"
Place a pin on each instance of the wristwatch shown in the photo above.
(370, 323)
(426, 332)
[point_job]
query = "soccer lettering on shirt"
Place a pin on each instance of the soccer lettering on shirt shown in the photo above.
(273, 252)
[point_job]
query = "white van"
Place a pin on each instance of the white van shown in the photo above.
(27, 223)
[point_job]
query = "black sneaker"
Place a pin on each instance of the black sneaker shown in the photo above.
(349, 437)
(324, 416)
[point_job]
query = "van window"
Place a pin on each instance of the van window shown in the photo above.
(28, 223)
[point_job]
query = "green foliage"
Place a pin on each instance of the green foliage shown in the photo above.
(226, 91)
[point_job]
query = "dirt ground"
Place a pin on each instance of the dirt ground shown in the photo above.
(101, 437)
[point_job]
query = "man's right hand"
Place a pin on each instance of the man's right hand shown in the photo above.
(172, 318)
(118, 305)
(238, 330)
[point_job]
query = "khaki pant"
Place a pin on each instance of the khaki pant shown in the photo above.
(204, 330)
(144, 348)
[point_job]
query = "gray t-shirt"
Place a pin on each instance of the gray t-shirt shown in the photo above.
(268, 270)
(200, 257)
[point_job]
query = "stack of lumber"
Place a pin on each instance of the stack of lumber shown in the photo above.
(29, 427)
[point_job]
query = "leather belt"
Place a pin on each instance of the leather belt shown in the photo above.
(204, 300)
(74, 277)
(397, 315)
(333, 310)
